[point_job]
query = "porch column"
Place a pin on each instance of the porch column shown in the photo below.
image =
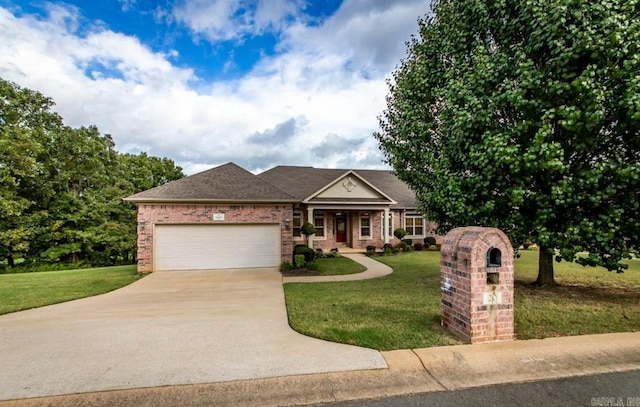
(385, 225)
(310, 220)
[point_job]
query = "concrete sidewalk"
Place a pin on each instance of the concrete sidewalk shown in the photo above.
(409, 371)
(374, 269)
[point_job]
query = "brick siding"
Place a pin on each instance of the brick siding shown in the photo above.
(151, 214)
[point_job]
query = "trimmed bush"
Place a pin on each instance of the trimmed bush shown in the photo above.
(400, 233)
(308, 229)
(403, 246)
(333, 254)
(299, 261)
(429, 241)
(418, 247)
(408, 241)
(319, 254)
(387, 246)
(308, 253)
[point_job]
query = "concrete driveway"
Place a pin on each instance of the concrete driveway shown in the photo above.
(168, 328)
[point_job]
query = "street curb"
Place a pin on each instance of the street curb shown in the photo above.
(410, 371)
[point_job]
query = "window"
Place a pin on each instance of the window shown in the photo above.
(318, 223)
(297, 224)
(414, 224)
(365, 226)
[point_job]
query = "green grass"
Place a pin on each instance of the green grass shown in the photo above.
(30, 290)
(338, 266)
(328, 266)
(402, 310)
(587, 301)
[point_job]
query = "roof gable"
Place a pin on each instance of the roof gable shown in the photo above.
(226, 183)
(303, 182)
(349, 187)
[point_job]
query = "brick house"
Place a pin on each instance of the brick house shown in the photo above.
(227, 217)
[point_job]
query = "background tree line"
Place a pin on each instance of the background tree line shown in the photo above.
(61, 188)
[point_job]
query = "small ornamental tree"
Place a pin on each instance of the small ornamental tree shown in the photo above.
(524, 115)
(400, 233)
(308, 229)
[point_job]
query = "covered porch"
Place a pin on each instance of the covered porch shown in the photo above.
(345, 227)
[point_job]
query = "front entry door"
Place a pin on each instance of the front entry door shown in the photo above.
(341, 229)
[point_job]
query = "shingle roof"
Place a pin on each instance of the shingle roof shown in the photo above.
(231, 183)
(302, 182)
(227, 183)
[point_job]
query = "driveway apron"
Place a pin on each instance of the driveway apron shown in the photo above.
(168, 328)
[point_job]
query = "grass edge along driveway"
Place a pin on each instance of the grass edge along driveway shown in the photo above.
(23, 291)
(402, 310)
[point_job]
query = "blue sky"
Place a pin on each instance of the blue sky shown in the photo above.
(205, 82)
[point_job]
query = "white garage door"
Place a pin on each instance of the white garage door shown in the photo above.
(198, 247)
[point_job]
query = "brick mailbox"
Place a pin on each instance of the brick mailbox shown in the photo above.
(476, 281)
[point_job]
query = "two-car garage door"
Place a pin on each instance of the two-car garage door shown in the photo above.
(201, 247)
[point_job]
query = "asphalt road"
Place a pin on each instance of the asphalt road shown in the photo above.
(610, 389)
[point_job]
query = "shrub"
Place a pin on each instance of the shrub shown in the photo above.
(438, 246)
(371, 248)
(299, 261)
(370, 253)
(429, 241)
(286, 266)
(319, 254)
(403, 246)
(387, 246)
(418, 246)
(308, 229)
(333, 254)
(400, 233)
(308, 253)
(388, 251)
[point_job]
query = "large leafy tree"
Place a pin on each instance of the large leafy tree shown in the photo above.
(25, 120)
(524, 115)
(61, 188)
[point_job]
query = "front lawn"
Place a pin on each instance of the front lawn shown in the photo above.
(337, 266)
(402, 310)
(30, 290)
(329, 266)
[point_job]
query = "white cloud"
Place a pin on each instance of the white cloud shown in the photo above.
(127, 4)
(231, 19)
(370, 35)
(323, 90)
